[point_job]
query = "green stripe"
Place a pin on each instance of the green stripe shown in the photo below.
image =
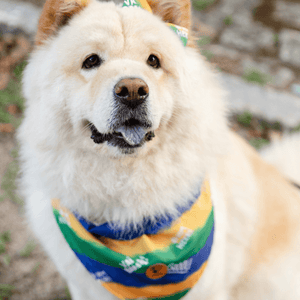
(132, 3)
(91, 249)
(170, 254)
(179, 33)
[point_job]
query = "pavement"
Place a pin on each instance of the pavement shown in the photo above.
(271, 104)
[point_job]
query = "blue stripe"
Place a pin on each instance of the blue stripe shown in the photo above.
(147, 226)
(120, 276)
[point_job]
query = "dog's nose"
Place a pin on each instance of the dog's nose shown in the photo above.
(131, 91)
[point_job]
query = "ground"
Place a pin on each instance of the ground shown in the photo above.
(24, 268)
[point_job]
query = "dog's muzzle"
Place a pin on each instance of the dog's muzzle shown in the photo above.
(131, 92)
(130, 123)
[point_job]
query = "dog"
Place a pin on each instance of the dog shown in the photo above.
(134, 184)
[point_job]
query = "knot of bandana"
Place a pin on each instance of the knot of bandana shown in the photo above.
(182, 32)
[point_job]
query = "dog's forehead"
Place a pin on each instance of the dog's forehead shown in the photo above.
(101, 17)
(120, 29)
(136, 20)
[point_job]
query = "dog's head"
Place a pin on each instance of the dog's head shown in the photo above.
(117, 75)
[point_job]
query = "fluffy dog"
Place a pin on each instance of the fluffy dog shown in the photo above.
(123, 125)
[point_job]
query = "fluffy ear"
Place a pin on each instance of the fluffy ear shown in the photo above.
(177, 12)
(55, 14)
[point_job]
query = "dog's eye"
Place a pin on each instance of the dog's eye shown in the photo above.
(153, 61)
(92, 61)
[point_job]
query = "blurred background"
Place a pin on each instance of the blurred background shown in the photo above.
(254, 47)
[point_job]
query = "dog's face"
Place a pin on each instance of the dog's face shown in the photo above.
(125, 80)
(118, 80)
(115, 74)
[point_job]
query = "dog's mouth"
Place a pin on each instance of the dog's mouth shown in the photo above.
(131, 134)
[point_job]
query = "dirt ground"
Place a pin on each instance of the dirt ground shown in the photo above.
(32, 274)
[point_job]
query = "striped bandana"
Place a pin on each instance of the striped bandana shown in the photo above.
(182, 32)
(161, 261)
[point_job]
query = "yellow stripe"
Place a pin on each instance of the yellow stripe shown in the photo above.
(145, 5)
(179, 27)
(197, 216)
(193, 219)
(153, 291)
(73, 223)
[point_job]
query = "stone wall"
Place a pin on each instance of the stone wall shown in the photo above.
(256, 39)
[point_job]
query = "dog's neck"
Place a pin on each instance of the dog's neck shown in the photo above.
(149, 225)
(127, 192)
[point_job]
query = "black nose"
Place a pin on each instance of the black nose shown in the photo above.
(131, 91)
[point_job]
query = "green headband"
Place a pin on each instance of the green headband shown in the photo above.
(182, 32)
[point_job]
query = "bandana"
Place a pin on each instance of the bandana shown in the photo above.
(161, 261)
(182, 32)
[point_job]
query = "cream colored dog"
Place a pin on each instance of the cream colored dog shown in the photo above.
(158, 122)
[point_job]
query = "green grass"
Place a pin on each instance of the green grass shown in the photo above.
(271, 125)
(256, 76)
(28, 249)
(12, 96)
(67, 297)
(208, 54)
(5, 236)
(6, 259)
(258, 143)
(6, 291)
(2, 247)
(228, 20)
(202, 4)
(245, 118)
(36, 267)
(204, 40)
(8, 183)
(296, 129)
(4, 239)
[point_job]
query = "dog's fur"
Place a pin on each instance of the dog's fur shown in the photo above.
(255, 254)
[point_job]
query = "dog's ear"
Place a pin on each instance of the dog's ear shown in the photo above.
(177, 12)
(55, 14)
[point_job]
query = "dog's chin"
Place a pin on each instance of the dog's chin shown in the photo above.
(127, 140)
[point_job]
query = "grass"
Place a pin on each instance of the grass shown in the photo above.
(6, 291)
(208, 54)
(6, 259)
(296, 129)
(67, 297)
(12, 96)
(258, 143)
(245, 118)
(202, 4)
(256, 76)
(8, 184)
(204, 40)
(276, 39)
(4, 239)
(35, 268)
(28, 249)
(228, 20)
(259, 128)
(5, 236)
